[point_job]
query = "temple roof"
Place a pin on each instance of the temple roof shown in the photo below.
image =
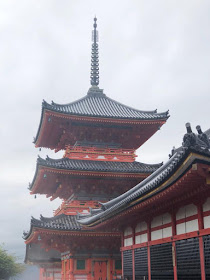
(97, 104)
(194, 145)
(60, 222)
(95, 166)
(100, 166)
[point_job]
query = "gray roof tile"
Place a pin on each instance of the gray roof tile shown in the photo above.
(98, 104)
(100, 166)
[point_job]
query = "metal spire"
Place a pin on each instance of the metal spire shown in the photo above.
(94, 76)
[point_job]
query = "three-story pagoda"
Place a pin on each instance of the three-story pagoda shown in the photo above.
(99, 137)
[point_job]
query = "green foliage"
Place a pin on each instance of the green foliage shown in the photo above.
(8, 265)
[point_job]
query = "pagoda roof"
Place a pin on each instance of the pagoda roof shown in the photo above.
(67, 164)
(61, 222)
(97, 104)
(195, 148)
(99, 166)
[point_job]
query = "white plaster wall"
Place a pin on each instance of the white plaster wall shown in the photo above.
(166, 218)
(128, 241)
(180, 228)
(161, 220)
(207, 222)
(157, 234)
(187, 227)
(167, 232)
(192, 225)
(141, 238)
(180, 213)
(191, 210)
(157, 221)
(141, 227)
(128, 231)
(186, 211)
(206, 205)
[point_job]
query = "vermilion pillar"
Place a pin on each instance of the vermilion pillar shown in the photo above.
(122, 244)
(148, 249)
(133, 253)
(111, 269)
(174, 260)
(71, 268)
(89, 269)
(201, 226)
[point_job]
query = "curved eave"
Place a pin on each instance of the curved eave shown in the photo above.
(47, 108)
(42, 164)
(141, 192)
(36, 230)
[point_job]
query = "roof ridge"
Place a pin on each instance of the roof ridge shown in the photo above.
(96, 161)
(47, 105)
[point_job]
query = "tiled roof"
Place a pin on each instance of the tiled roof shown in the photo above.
(100, 166)
(97, 104)
(191, 143)
(60, 222)
(96, 166)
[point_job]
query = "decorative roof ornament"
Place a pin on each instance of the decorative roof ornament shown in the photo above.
(199, 141)
(94, 77)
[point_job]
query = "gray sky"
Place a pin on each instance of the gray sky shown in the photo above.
(153, 54)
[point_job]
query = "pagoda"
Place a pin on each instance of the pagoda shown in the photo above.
(99, 137)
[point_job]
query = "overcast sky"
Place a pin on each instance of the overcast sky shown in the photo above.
(153, 54)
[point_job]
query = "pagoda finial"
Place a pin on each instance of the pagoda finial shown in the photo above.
(94, 77)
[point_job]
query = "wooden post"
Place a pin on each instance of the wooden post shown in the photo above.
(201, 249)
(174, 260)
(89, 269)
(122, 244)
(133, 263)
(148, 248)
(133, 253)
(71, 268)
(202, 258)
(173, 222)
(111, 268)
(200, 216)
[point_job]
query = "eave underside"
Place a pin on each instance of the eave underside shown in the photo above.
(59, 178)
(64, 130)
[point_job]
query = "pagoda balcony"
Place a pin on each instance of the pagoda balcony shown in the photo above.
(100, 154)
(75, 206)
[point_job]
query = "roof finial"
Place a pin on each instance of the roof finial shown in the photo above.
(94, 57)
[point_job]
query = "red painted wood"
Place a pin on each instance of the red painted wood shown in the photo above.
(173, 223)
(200, 217)
(202, 259)
(187, 219)
(174, 260)
(149, 263)
(161, 226)
(148, 248)
(100, 269)
(109, 154)
(141, 232)
(206, 213)
(133, 263)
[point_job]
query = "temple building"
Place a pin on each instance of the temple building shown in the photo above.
(165, 219)
(99, 137)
